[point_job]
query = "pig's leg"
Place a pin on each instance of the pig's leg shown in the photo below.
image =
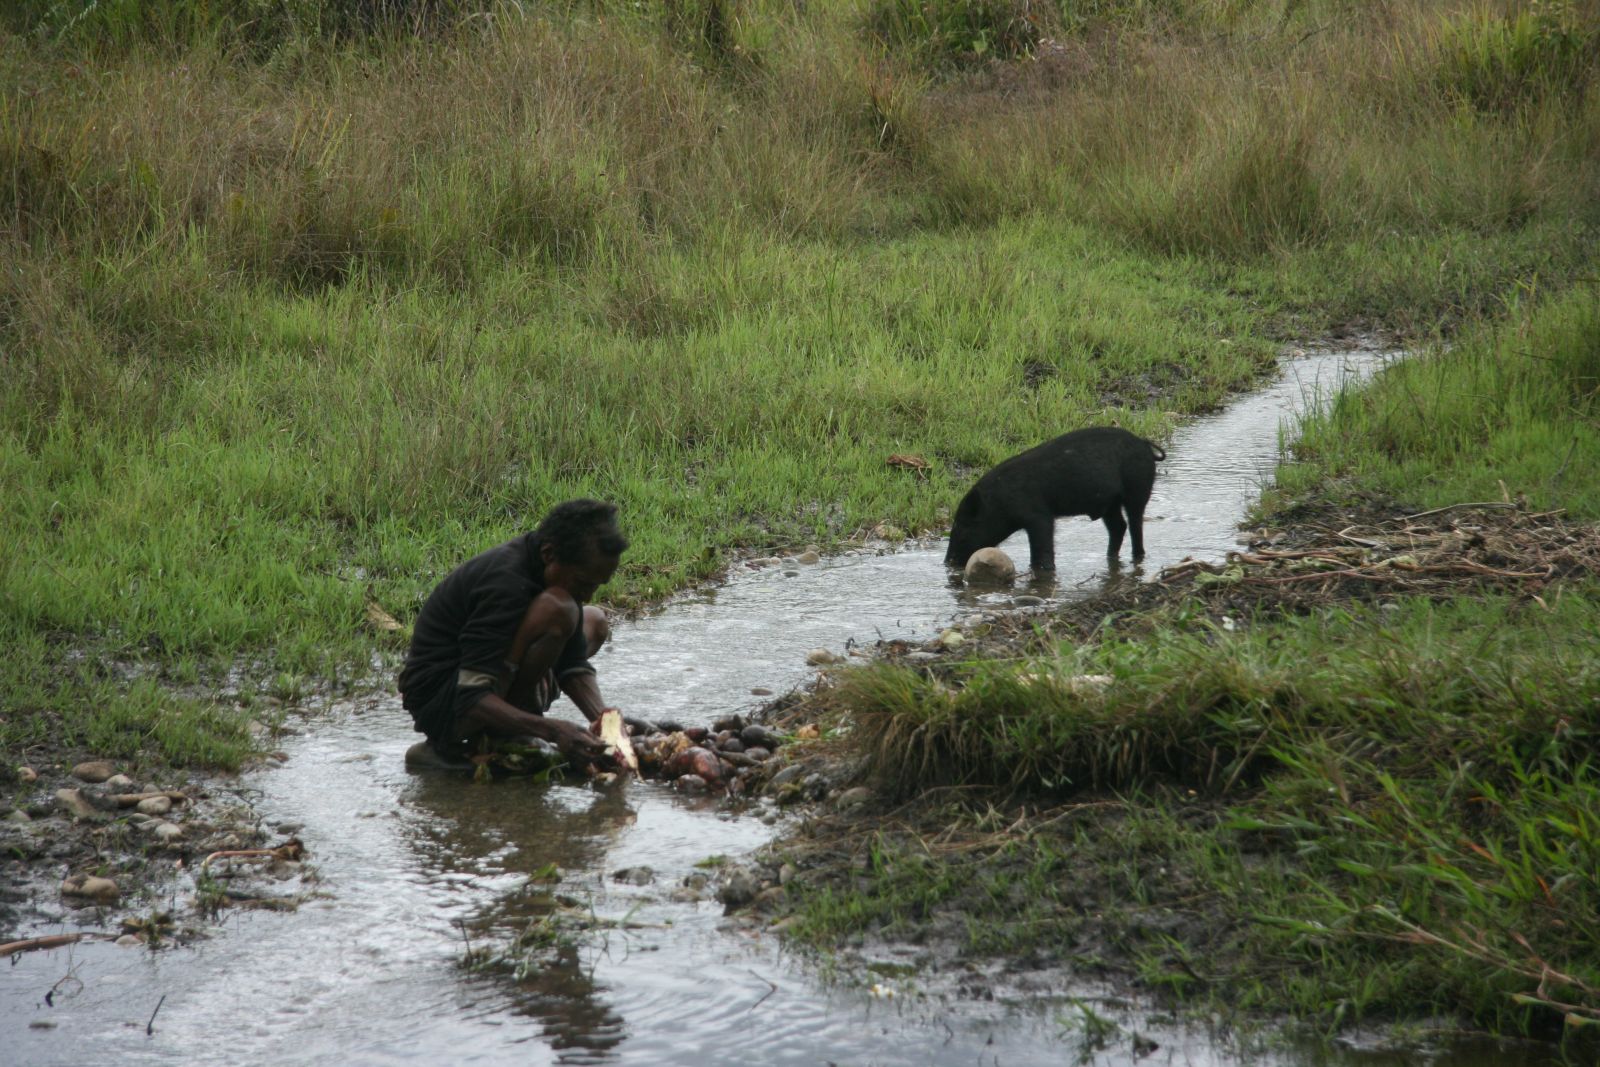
(1042, 543)
(1116, 526)
(1136, 530)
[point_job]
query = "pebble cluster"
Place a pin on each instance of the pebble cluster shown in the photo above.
(696, 759)
(88, 831)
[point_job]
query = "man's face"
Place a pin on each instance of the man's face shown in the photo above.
(584, 578)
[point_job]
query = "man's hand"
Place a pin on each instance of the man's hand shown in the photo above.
(577, 743)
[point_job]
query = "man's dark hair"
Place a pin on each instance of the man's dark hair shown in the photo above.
(571, 528)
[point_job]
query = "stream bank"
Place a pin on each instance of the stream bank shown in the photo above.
(581, 922)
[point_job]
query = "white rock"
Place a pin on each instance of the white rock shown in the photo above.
(820, 657)
(166, 832)
(120, 782)
(990, 566)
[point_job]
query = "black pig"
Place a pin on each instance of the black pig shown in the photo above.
(1103, 472)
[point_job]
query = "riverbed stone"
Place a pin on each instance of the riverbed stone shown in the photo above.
(634, 875)
(120, 783)
(792, 773)
(91, 887)
(990, 566)
(820, 657)
(93, 771)
(1027, 600)
(757, 736)
(18, 816)
(809, 557)
(154, 806)
(26, 774)
(951, 638)
(74, 803)
(853, 798)
(739, 889)
(166, 832)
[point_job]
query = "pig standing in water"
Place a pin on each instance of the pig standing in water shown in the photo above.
(1103, 472)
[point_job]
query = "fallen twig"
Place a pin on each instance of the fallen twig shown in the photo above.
(765, 995)
(11, 948)
(289, 850)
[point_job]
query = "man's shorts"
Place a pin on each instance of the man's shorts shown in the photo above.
(438, 721)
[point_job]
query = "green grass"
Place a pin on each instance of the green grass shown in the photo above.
(294, 314)
(1407, 801)
(1510, 410)
(1403, 794)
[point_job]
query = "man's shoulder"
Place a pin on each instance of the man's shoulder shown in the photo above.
(508, 560)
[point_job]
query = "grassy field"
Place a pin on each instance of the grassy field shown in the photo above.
(302, 303)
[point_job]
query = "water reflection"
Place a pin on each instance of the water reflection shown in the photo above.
(521, 836)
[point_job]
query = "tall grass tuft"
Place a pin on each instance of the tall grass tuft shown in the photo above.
(1503, 62)
(942, 33)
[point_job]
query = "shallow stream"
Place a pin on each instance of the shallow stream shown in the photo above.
(415, 867)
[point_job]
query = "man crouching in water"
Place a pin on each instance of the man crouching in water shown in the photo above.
(511, 629)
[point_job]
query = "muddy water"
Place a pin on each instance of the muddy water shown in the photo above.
(417, 868)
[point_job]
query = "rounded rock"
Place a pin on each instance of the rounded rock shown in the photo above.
(154, 806)
(820, 657)
(27, 774)
(91, 887)
(852, 798)
(93, 771)
(757, 736)
(989, 566)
